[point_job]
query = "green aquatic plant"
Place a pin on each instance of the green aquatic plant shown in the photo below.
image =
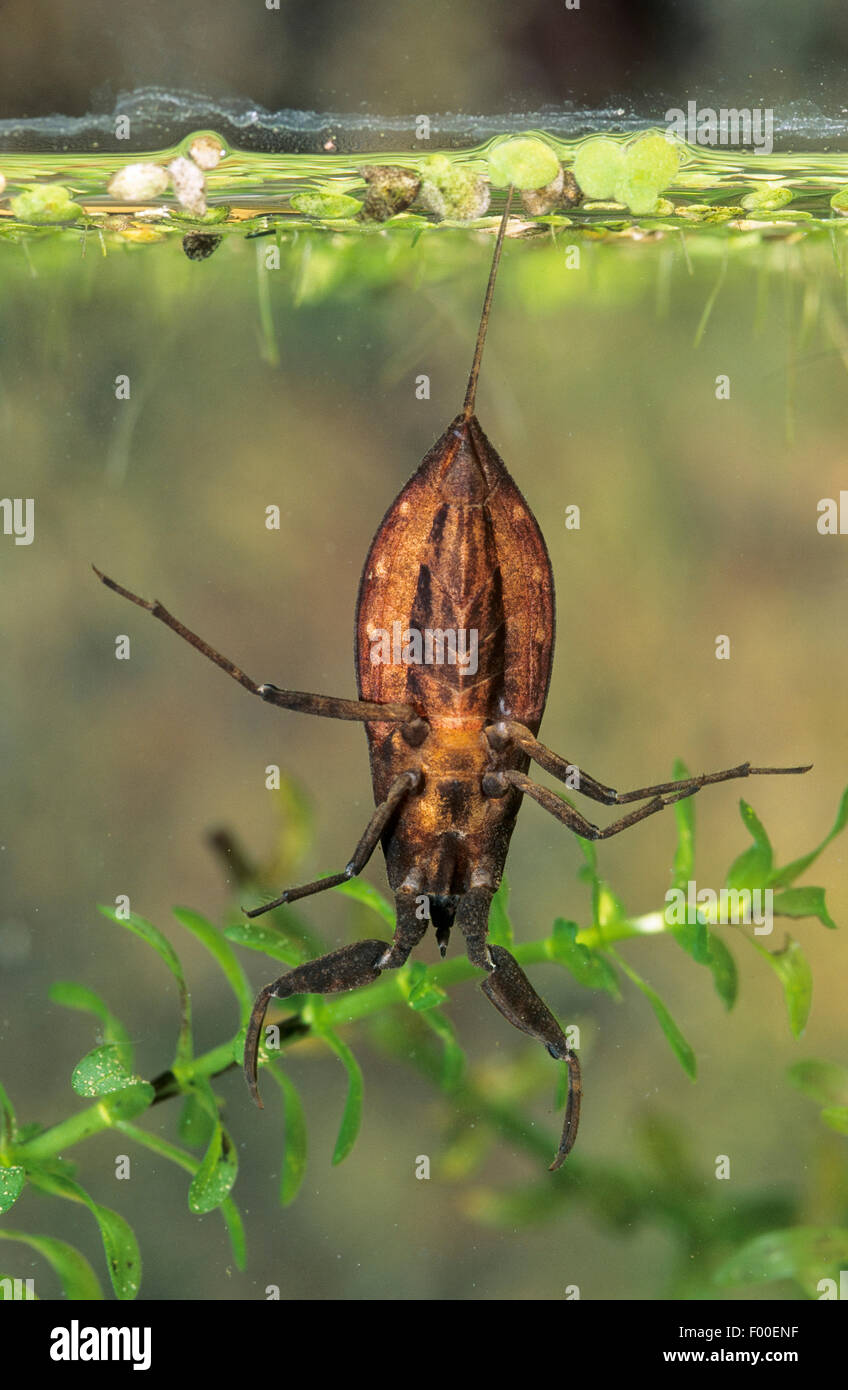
(408, 1016)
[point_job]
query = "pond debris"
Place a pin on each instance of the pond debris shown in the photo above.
(561, 192)
(207, 151)
(199, 246)
(391, 189)
(189, 185)
(138, 183)
(541, 201)
(453, 191)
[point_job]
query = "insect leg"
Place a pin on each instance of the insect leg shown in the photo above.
(513, 995)
(507, 732)
(300, 700)
(472, 918)
(400, 788)
(497, 784)
(347, 968)
(340, 970)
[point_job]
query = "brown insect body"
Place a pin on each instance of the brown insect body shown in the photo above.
(450, 742)
(458, 551)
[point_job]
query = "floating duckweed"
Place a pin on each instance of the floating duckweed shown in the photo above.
(766, 197)
(648, 165)
(525, 162)
(44, 203)
(839, 201)
(652, 155)
(200, 245)
(137, 183)
(638, 190)
(391, 189)
(325, 206)
(451, 190)
(189, 185)
(598, 165)
(207, 151)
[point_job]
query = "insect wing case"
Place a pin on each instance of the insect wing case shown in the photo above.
(458, 551)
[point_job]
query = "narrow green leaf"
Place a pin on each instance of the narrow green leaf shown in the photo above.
(837, 1117)
(12, 1184)
(724, 972)
(500, 926)
(453, 1057)
(123, 1257)
(589, 968)
(73, 996)
(215, 943)
(352, 1116)
(235, 1230)
(753, 867)
(782, 877)
(7, 1117)
(793, 970)
(803, 902)
(684, 815)
(132, 1101)
(805, 1253)
(366, 894)
(679, 1046)
(609, 910)
(78, 1280)
(214, 1178)
(589, 852)
(267, 938)
(101, 1072)
(694, 939)
(295, 1146)
(152, 935)
(421, 992)
(195, 1123)
(824, 1082)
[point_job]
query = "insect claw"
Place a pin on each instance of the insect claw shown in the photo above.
(333, 973)
(513, 996)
